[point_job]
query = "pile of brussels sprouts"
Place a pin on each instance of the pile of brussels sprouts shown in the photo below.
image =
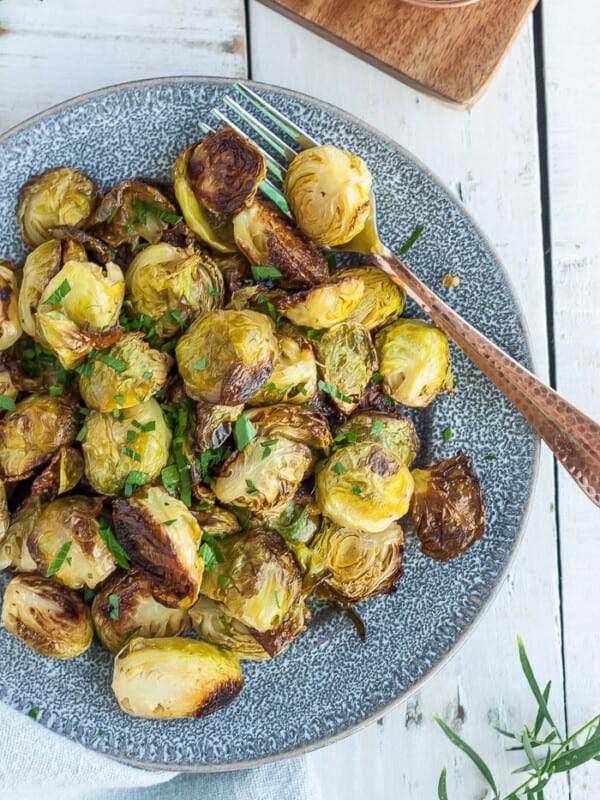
(203, 421)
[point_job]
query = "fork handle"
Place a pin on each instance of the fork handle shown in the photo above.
(572, 436)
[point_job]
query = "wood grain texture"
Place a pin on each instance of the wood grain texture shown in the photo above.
(450, 53)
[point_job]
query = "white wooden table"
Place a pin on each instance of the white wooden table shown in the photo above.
(529, 172)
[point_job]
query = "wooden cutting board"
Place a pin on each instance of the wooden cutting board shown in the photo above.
(450, 53)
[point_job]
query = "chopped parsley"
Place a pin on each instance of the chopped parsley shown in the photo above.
(212, 291)
(142, 209)
(113, 600)
(224, 581)
(411, 240)
(277, 598)
(116, 363)
(59, 560)
(7, 402)
(357, 491)
(267, 447)
(261, 273)
(135, 478)
(112, 543)
(377, 426)
(131, 436)
(170, 477)
(127, 451)
(58, 295)
(251, 490)
(331, 390)
(200, 365)
(130, 634)
(377, 378)
(447, 433)
(244, 431)
(331, 260)
(169, 522)
(312, 333)
(178, 318)
(339, 468)
(33, 713)
(226, 627)
(149, 426)
(147, 375)
(54, 391)
(490, 457)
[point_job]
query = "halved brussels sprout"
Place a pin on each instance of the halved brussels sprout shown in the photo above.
(414, 359)
(62, 474)
(134, 442)
(382, 300)
(362, 564)
(214, 425)
(294, 376)
(398, 434)
(173, 678)
(49, 618)
(60, 196)
(328, 191)
(302, 425)
(268, 238)
(79, 311)
(33, 432)
(235, 269)
(217, 521)
(13, 550)
(257, 579)
(364, 486)
(213, 622)
(348, 360)
(299, 521)
(171, 285)
(124, 607)
(448, 508)
(79, 242)
(40, 267)
(10, 324)
(324, 306)
(162, 538)
(66, 542)
(226, 356)
(127, 374)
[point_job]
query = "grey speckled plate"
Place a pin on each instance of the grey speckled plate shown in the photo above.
(328, 683)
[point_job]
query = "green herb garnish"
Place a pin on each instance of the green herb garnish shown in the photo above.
(116, 363)
(147, 375)
(277, 598)
(169, 522)
(312, 333)
(224, 581)
(58, 295)
(447, 433)
(142, 209)
(113, 600)
(59, 560)
(377, 426)
(326, 387)
(225, 624)
(411, 240)
(170, 477)
(331, 260)
(178, 318)
(7, 403)
(135, 478)
(490, 457)
(261, 273)
(149, 426)
(127, 451)
(129, 635)
(131, 436)
(200, 365)
(377, 378)
(113, 544)
(251, 490)
(357, 491)
(54, 391)
(339, 468)
(267, 447)
(244, 431)
(33, 713)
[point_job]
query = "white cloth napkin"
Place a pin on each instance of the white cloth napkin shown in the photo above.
(36, 764)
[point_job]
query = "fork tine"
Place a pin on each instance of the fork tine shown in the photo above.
(206, 129)
(271, 138)
(274, 167)
(287, 126)
(276, 195)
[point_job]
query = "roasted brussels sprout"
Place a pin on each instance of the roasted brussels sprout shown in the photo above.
(299, 521)
(112, 456)
(7, 385)
(212, 621)
(214, 424)
(13, 550)
(162, 538)
(66, 541)
(78, 243)
(124, 607)
(414, 359)
(226, 356)
(60, 196)
(294, 376)
(362, 564)
(170, 286)
(172, 678)
(382, 300)
(328, 191)
(127, 374)
(49, 618)
(62, 474)
(10, 324)
(397, 434)
(268, 238)
(39, 269)
(324, 306)
(301, 425)
(348, 360)
(364, 486)
(217, 521)
(33, 432)
(79, 311)
(448, 508)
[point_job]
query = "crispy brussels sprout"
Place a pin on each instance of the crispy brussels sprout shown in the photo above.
(78, 243)
(268, 238)
(172, 678)
(130, 370)
(49, 618)
(226, 356)
(299, 521)
(39, 269)
(171, 286)
(7, 385)
(217, 521)
(324, 306)
(4, 514)
(448, 508)
(212, 621)
(364, 486)
(214, 425)
(348, 360)
(414, 359)
(62, 474)
(66, 541)
(214, 229)
(33, 432)
(294, 376)
(14, 552)
(10, 323)
(79, 311)
(264, 579)
(328, 191)
(60, 196)
(397, 434)
(362, 564)
(382, 300)
(235, 269)
(162, 539)
(303, 425)
(124, 607)
(111, 456)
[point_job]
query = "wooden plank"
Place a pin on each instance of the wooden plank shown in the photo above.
(488, 155)
(54, 50)
(573, 109)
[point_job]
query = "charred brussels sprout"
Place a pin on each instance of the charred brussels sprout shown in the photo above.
(62, 474)
(324, 306)
(61, 196)
(111, 455)
(362, 564)
(268, 238)
(79, 311)
(214, 425)
(212, 622)
(302, 425)
(124, 607)
(226, 356)
(170, 286)
(294, 376)
(162, 539)
(364, 486)
(348, 360)
(217, 521)
(397, 434)
(33, 432)
(329, 191)
(127, 374)
(448, 508)
(414, 359)
(382, 300)
(14, 552)
(49, 618)
(39, 269)
(10, 323)
(173, 678)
